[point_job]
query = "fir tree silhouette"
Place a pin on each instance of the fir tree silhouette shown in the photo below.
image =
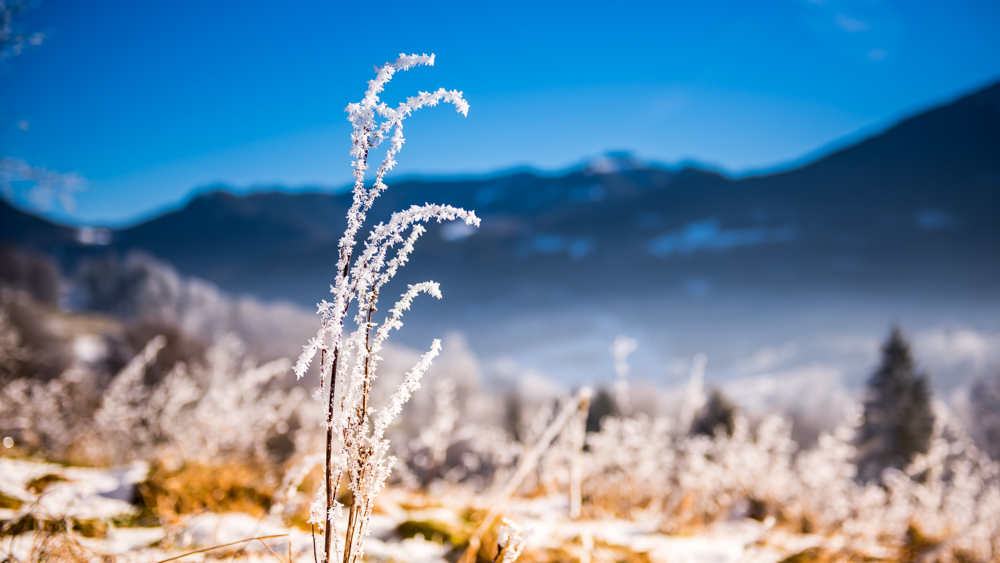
(719, 414)
(602, 406)
(898, 420)
(985, 401)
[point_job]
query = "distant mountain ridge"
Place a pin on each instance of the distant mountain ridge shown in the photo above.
(915, 208)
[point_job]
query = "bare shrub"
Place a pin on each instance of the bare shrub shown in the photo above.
(148, 293)
(39, 353)
(985, 398)
(30, 272)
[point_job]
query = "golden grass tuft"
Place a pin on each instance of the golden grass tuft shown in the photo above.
(917, 544)
(231, 487)
(55, 546)
(39, 484)
(601, 552)
(7, 501)
(813, 555)
(435, 531)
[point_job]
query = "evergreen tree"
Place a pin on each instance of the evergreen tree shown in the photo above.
(719, 414)
(601, 406)
(985, 401)
(898, 420)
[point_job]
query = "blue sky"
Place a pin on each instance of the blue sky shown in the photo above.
(151, 100)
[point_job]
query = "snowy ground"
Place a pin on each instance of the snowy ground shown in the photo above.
(104, 493)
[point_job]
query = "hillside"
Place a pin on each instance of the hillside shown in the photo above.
(917, 202)
(900, 227)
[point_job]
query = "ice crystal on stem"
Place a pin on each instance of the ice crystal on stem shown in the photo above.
(510, 542)
(348, 363)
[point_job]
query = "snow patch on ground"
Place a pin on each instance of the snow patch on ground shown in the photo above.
(103, 493)
(86, 493)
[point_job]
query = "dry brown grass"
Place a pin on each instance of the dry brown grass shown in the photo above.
(7, 501)
(818, 555)
(601, 552)
(48, 541)
(229, 487)
(435, 531)
(39, 484)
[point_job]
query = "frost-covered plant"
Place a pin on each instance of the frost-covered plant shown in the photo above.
(572, 408)
(349, 363)
(430, 447)
(944, 506)
(32, 348)
(628, 464)
(561, 464)
(694, 395)
(10, 347)
(985, 399)
(621, 349)
(577, 434)
(827, 474)
(120, 427)
(950, 494)
(226, 407)
(691, 479)
(510, 542)
(284, 498)
(152, 292)
(44, 407)
(39, 416)
(221, 409)
(458, 443)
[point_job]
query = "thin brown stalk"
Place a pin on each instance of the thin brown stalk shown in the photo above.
(361, 461)
(355, 515)
(579, 436)
(352, 519)
(328, 469)
(368, 362)
(275, 554)
(312, 528)
(213, 548)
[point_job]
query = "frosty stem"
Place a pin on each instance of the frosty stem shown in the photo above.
(331, 486)
(351, 361)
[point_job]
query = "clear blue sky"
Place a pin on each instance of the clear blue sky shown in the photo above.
(150, 100)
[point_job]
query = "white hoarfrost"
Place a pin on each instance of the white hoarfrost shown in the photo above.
(509, 541)
(356, 445)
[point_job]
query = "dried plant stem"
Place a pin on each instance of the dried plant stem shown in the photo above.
(352, 523)
(524, 467)
(355, 525)
(359, 504)
(365, 449)
(579, 437)
(312, 528)
(271, 551)
(331, 486)
(213, 548)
